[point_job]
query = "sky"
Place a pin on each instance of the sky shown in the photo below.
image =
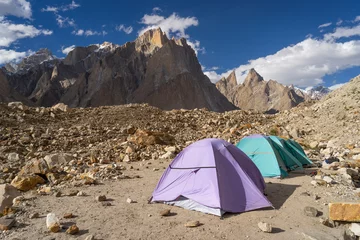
(305, 43)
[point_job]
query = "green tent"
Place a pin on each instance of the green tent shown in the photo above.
(272, 159)
(297, 151)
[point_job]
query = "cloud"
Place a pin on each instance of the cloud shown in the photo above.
(174, 25)
(11, 32)
(214, 77)
(87, 33)
(63, 8)
(18, 8)
(325, 25)
(339, 22)
(64, 21)
(126, 30)
(336, 86)
(343, 32)
(157, 9)
(67, 49)
(11, 55)
(303, 64)
(357, 19)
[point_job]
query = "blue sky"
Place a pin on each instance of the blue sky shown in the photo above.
(291, 42)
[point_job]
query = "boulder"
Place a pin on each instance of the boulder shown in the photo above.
(355, 228)
(313, 144)
(36, 166)
(167, 155)
(58, 159)
(26, 182)
(18, 105)
(60, 106)
(52, 223)
(7, 194)
(142, 137)
(13, 157)
(345, 212)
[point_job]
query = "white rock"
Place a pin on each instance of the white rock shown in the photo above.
(355, 228)
(126, 158)
(60, 106)
(167, 155)
(13, 157)
(265, 227)
(170, 149)
(18, 105)
(90, 237)
(51, 219)
(328, 179)
(7, 195)
(129, 200)
(314, 144)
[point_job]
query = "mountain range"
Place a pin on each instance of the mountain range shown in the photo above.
(152, 69)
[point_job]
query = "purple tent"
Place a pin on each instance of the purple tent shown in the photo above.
(212, 176)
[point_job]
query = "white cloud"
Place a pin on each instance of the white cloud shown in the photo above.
(157, 9)
(79, 32)
(11, 55)
(303, 64)
(343, 32)
(325, 25)
(336, 86)
(214, 77)
(87, 33)
(126, 30)
(67, 49)
(174, 25)
(18, 8)
(357, 19)
(64, 21)
(11, 32)
(339, 22)
(196, 46)
(63, 8)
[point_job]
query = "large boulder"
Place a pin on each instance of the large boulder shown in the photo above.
(7, 194)
(57, 159)
(27, 182)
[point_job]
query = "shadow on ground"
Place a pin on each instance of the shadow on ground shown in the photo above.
(278, 193)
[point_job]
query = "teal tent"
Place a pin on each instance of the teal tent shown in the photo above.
(297, 151)
(272, 159)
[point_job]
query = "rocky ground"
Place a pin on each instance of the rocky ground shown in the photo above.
(64, 159)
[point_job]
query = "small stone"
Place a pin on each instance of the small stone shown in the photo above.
(58, 194)
(192, 224)
(170, 149)
(165, 213)
(16, 201)
(72, 230)
(328, 179)
(34, 215)
(167, 155)
(13, 157)
(68, 215)
(155, 169)
(81, 194)
(72, 193)
(6, 223)
(52, 223)
(101, 198)
(327, 222)
(106, 204)
(126, 158)
(129, 200)
(346, 212)
(316, 197)
(129, 150)
(90, 237)
(313, 144)
(310, 211)
(265, 227)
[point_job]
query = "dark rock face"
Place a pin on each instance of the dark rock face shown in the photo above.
(152, 69)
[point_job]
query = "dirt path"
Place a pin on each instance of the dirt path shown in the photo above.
(142, 221)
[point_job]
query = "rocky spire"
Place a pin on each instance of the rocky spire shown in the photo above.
(231, 79)
(253, 78)
(151, 39)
